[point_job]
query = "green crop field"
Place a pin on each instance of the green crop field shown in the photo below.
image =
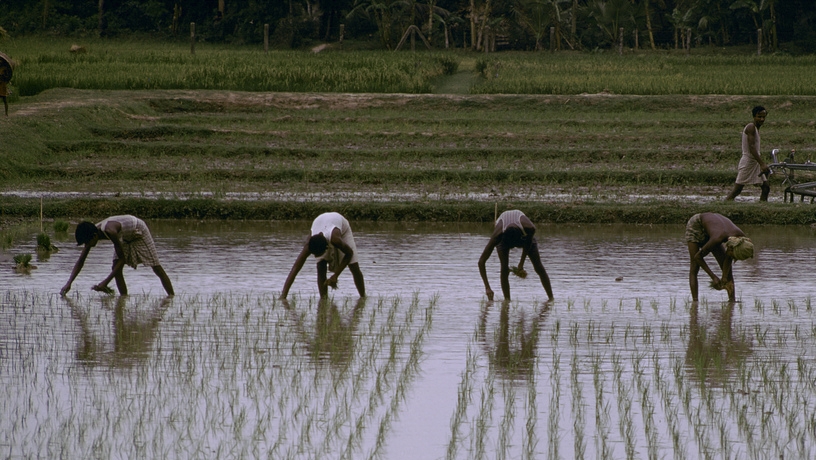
(233, 132)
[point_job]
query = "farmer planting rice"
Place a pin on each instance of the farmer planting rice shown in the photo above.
(752, 169)
(332, 243)
(710, 232)
(513, 230)
(132, 244)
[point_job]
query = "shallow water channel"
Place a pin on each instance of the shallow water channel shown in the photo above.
(620, 365)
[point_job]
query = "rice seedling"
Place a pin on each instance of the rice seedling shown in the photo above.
(44, 243)
(61, 226)
(22, 263)
(246, 375)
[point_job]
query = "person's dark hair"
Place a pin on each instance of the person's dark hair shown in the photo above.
(318, 244)
(757, 109)
(85, 232)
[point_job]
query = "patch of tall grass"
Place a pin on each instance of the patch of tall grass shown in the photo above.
(117, 65)
(152, 65)
(647, 74)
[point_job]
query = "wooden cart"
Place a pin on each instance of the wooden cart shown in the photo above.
(793, 184)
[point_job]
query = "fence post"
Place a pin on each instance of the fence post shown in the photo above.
(620, 41)
(192, 38)
(552, 39)
(342, 32)
(759, 42)
(266, 38)
(635, 34)
(688, 40)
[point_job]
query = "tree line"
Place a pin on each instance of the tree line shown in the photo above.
(473, 24)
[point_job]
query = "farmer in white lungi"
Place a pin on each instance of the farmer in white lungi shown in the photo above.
(332, 243)
(132, 244)
(752, 169)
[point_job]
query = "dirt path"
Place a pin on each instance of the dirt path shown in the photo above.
(458, 83)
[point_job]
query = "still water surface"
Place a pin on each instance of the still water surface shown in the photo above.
(583, 261)
(619, 365)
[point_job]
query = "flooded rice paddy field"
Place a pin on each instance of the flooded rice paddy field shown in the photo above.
(424, 367)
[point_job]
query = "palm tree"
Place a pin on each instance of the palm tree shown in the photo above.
(757, 10)
(382, 13)
(611, 15)
(538, 16)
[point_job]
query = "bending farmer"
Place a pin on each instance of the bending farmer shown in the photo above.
(132, 245)
(714, 233)
(332, 243)
(513, 230)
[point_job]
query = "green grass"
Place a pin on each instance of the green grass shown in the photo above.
(123, 64)
(144, 129)
(423, 157)
(646, 74)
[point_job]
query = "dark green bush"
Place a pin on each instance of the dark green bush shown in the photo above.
(449, 65)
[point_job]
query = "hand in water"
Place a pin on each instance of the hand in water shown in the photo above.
(105, 289)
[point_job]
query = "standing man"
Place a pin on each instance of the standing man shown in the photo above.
(5, 78)
(132, 245)
(710, 232)
(332, 243)
(513, 230)
(752, 169)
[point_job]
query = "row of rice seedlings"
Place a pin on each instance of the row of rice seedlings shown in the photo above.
(714, 427)
(553, 433)
(464, 396)
(407, 375)
(602, 416)
(239, 380)
(579, 440)
(530, 437)
(246, 385)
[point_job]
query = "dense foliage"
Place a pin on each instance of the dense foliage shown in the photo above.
(496, 24)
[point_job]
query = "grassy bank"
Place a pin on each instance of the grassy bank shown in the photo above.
(436, 211)
(417, 157)
(143, 139)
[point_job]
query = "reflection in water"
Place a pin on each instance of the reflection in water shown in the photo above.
(512, 350)
(335, 334)
(713, 351)
(134, 330)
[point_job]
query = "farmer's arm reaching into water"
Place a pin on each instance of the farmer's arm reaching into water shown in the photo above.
(301, 259)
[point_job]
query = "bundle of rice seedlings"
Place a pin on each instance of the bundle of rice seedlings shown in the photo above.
(331, 284)
(717, 285)
(22, 263)
(520, 272)
(22, 260)
(60, 226)
(44, 243)
(104, 289)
